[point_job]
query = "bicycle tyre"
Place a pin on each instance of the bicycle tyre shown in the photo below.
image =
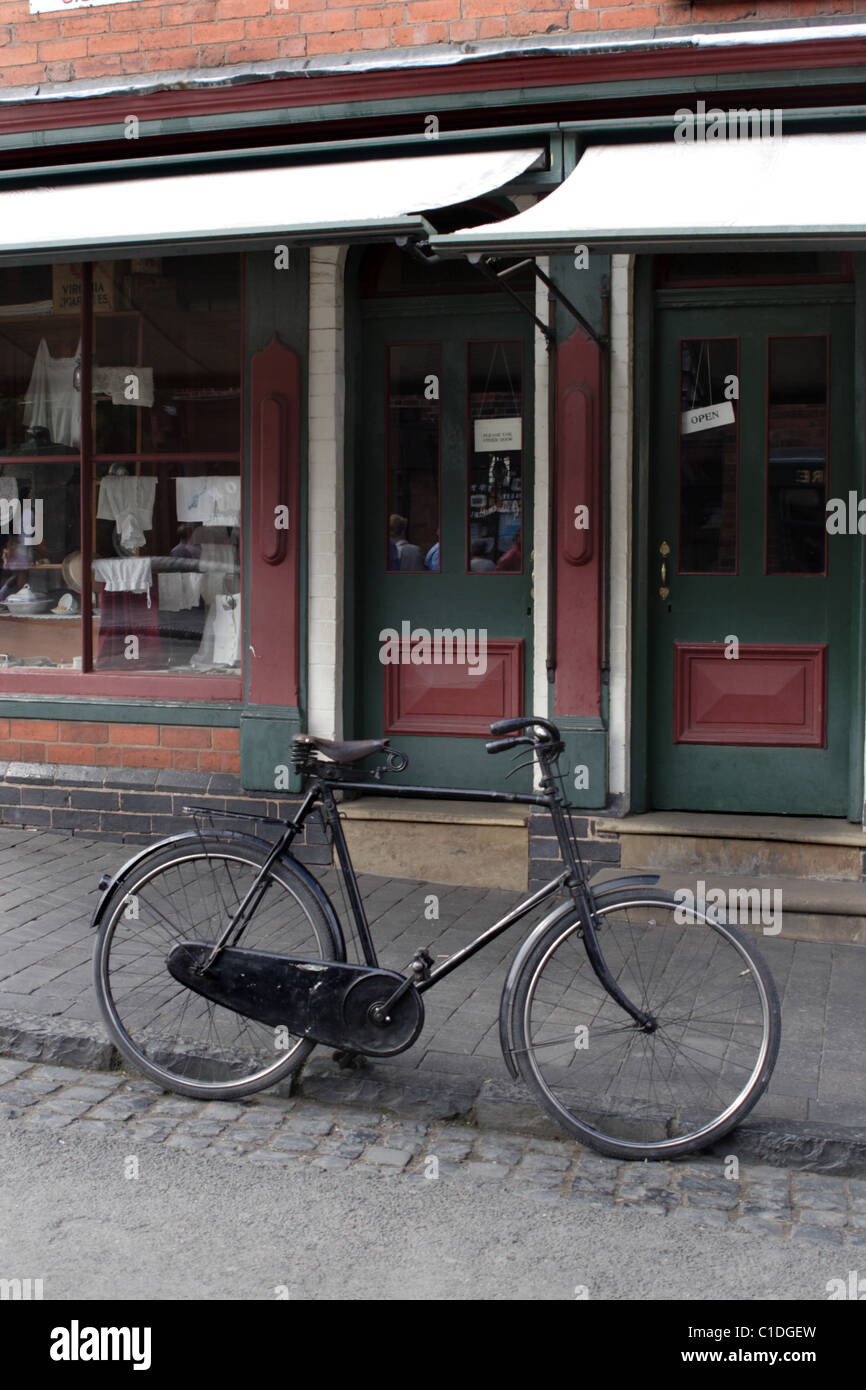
(598, 1084)
(174, 1036)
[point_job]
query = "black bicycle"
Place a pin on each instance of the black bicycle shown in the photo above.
(646, 1028)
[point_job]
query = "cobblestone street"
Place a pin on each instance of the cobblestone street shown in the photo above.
(758, 1199)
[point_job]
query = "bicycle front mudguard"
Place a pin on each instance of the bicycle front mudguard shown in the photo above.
(559, 914)
(109, 884)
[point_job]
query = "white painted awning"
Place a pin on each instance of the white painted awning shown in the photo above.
(776, 193)
(358, 200)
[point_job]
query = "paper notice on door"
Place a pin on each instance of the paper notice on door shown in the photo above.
(707, 417)
(491, 436)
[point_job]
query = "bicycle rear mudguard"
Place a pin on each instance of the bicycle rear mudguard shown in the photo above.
(326, 1002)
(559, 914)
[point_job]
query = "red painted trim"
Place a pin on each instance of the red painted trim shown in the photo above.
(275, 479)
(94, 684)
(578, 472)
(418, 702)
(485, 75)
(761, 730)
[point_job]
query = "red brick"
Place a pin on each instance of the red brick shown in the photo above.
(84, 753)
(22, 76)
(633, 17)
(62, 48)
(746, 9)
(538, 23)
(134, 62)
(4, 728)
(464, 29)
(244, 9)
(123, 21)
(108, 757)
(117, 43)
(146, 757)
(42, 729)
(377, 19)
(184, 736)
(376, 38)
(332, 21)
(490, 28)
(134, 735)
(98, 67)
(35, 753)
(9, 751)
(18, 55)
(88, 22)
(78, 731)
(225, 740)
(426, 11)
(226, 32)
(210, 56)
(293, 47)
(271, 28)
(58, 72)
(253, 51)
(170, 59)
(188, 14)
(798, 8)
(588, 19)
(36, 29)
(332, 43)
(184, 762)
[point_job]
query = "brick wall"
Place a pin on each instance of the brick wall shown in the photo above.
(151, 36)
(180, 747)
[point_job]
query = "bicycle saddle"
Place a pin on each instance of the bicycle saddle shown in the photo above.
(343, 753)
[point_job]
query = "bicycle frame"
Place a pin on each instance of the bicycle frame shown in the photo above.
(321, 786)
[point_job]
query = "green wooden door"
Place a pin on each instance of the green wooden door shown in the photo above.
(441, 577)
(750, 609)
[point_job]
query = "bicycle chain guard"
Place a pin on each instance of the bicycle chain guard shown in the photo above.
(328, 1002)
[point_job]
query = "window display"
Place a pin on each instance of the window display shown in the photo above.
(162, 475)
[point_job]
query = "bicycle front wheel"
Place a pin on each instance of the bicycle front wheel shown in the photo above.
(178, 1038)
(630, 1093)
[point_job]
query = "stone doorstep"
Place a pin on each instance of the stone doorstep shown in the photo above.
(418, 809)
(819, 830)
(463, 843)
(812, 909)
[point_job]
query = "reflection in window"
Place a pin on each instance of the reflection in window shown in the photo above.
(796, 455)
(708, 456)
(412, 522)
(495, 534)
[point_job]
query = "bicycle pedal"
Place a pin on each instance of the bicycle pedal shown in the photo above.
(348, 1060)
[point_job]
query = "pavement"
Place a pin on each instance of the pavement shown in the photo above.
(812, 1117)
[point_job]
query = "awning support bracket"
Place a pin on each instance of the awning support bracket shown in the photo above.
(557, 293)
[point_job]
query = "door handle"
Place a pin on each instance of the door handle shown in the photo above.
(664, 551)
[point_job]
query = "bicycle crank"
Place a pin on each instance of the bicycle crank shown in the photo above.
(328, 1002)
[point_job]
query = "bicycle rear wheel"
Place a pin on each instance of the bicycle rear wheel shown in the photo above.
(635, 1094)
(190, 892)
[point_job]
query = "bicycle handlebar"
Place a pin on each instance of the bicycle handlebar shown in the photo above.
(512, 726)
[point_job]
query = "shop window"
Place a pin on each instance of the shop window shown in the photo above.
(156, 461)
(494, 540)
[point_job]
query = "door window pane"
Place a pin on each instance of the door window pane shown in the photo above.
(495, 446)
(797, 455)
(412, 499)
(708, 456)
